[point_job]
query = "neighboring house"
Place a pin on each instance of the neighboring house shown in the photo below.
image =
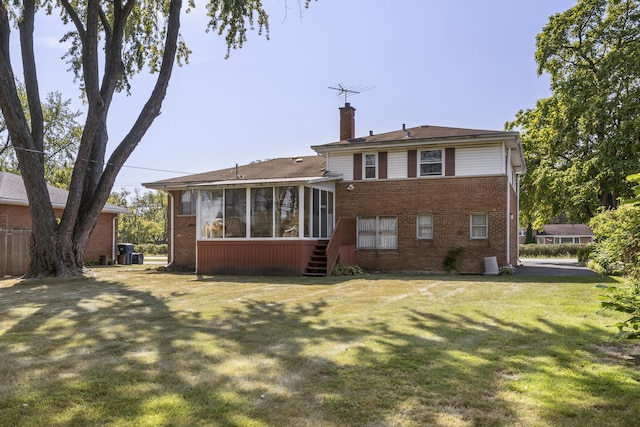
(564, 233)
(396, 201)
(15, 225)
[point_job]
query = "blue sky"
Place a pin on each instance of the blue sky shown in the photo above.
(460, 63)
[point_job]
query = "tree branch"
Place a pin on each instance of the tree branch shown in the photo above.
(26, 26)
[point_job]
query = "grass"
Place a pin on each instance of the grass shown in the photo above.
(135, 347)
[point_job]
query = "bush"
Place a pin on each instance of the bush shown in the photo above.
(617, 248)
(585, 253)
(347, 270)
(565, 250)
(625, 300)
(451, 260)
(151, 249)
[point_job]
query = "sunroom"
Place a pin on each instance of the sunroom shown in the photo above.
(262, 226)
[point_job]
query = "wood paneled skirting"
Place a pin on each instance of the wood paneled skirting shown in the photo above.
(254, 257)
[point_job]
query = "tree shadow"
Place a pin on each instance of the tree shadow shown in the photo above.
(91, 352)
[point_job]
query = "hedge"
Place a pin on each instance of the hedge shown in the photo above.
(565, 250)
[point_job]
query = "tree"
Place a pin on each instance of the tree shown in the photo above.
(582, 141)
(110, 42)
(61, 138)
(146, 221)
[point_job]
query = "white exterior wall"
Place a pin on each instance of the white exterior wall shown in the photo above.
(474, 161)
(341, 163)
(397, 165)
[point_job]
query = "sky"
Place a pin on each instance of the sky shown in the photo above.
(458, 63)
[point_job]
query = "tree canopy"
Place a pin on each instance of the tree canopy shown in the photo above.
(110, 41)
(582, 141)
(61, 138)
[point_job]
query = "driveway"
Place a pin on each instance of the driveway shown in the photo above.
(552, 267)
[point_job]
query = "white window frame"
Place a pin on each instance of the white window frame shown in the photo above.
(420, 163)
(474, 227)
(365, 166)
(380, 236)
(424, 232)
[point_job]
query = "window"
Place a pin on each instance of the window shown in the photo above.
(425, 226)
(211, 209)
(262, 212)
(188, 202)
(377, 232)
(431, 163)
(479, 226)
(235, 212)
(287, 211)
(370, 166)
(563, 240)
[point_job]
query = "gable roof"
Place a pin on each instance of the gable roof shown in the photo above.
(273, 170)
(13, 192)
(566, 230)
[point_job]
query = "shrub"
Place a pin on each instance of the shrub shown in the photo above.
(507, 270)
(585, 253)
(625, 300)
(564, 250)
(451, 260)
(347, 270)
(151, 249)
(617, 248)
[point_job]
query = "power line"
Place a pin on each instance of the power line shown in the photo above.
(30, 150)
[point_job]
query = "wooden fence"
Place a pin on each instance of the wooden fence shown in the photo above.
(14, 251)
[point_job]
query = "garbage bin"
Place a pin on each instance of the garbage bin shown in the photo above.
(126, 250)
(137, 258)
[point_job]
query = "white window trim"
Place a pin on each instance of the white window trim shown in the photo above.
(364, 165)
(486, 226)
(419, 163)
(418, 227)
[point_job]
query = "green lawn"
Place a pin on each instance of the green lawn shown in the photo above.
(136, 347)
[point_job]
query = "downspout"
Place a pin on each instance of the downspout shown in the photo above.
(518, 216)
(114, 233)
(171, 228)
(509, 213)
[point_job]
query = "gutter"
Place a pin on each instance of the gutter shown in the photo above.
(509, 213)
(171, 229)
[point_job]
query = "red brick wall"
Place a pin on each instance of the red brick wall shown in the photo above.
(100, 241)
(450, 200)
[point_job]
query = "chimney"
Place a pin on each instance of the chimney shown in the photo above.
(347, 122)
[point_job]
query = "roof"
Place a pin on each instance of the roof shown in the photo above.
(282, 169)
(566, 230)
(420, 133)
(13, 192)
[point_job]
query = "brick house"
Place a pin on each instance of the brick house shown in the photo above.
(397, 201)
(15, 225)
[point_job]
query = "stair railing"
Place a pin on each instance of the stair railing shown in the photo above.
(343, 234)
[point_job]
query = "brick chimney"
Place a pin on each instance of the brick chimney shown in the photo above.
(347, 122)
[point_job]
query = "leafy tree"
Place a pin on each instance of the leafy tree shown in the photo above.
(582, 141)
(146, 221)
(61, 139)
(110, 41)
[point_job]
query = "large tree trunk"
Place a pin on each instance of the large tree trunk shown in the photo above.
(58, 244)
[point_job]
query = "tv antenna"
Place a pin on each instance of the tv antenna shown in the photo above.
(348, 91)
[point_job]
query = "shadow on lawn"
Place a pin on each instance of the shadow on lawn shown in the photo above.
(87, 352)
(476, 278)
